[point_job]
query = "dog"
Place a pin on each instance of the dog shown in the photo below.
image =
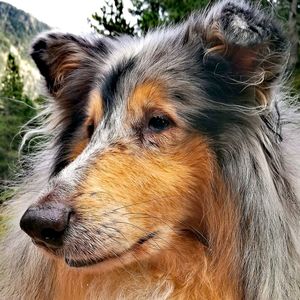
(169, 167)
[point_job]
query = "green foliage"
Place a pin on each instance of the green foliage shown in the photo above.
(2, 224)
(178, 10)
(111, 19)
(296, 79)
(12, 85)
(149, 13)
(15, 110)
(4, 195)
(152, 13)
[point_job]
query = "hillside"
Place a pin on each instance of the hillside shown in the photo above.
(17, 29)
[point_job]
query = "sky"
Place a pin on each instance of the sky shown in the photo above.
(66, 15)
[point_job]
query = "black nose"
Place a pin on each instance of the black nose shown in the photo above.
(46, 224)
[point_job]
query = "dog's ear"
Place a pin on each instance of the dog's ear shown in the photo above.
(245, 45)
(57, 55)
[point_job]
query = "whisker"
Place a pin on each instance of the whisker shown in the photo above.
(147, 215)
(124, 267)
(146, 232)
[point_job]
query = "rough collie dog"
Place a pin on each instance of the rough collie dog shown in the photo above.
(169, 170)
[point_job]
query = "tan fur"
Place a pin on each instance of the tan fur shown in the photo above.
(66, 60)
(138, 192)
(94, 113)
(150, 98)
(160, 277)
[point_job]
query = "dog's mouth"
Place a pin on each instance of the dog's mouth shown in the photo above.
(86, 263)
(74, 263)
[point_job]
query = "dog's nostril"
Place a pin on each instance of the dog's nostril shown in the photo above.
(50, 235)
(47, 224)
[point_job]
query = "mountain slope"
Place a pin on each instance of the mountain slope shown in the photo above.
(17, 29)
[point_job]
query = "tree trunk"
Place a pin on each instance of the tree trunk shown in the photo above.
(293, 34)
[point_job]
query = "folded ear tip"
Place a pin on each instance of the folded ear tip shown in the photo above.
(43, 39)
(38, 45)
(57, 54)
(246, 24)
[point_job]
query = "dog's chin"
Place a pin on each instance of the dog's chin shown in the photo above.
(106, 263)
(138, 250)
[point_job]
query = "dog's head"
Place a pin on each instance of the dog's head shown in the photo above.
(139, 128)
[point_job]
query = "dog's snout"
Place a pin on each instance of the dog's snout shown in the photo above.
(47, 223)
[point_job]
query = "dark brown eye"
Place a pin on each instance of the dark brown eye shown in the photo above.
(90, 130)
(159, 123)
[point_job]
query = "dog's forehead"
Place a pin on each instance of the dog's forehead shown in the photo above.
(117, 82)
(155, 58)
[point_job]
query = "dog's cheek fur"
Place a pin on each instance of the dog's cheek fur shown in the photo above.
(93, 116)
(156, 182)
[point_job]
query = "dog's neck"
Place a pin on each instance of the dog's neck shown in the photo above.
(183, 269)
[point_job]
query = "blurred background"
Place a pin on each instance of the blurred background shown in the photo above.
(21, 20)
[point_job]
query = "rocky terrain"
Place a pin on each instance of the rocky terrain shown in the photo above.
(17, 29)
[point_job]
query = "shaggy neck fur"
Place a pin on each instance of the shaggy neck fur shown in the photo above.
(260, 167)
(179, 274)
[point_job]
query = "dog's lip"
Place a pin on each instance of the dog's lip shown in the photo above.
(93, 261)
(84, 263)
(44, 245)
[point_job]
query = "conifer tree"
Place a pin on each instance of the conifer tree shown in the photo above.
(111, 20)
(15, 110)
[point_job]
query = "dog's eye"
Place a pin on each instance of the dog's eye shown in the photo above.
(159, 123)
(90, 130)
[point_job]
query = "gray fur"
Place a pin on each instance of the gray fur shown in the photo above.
(257, 146)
